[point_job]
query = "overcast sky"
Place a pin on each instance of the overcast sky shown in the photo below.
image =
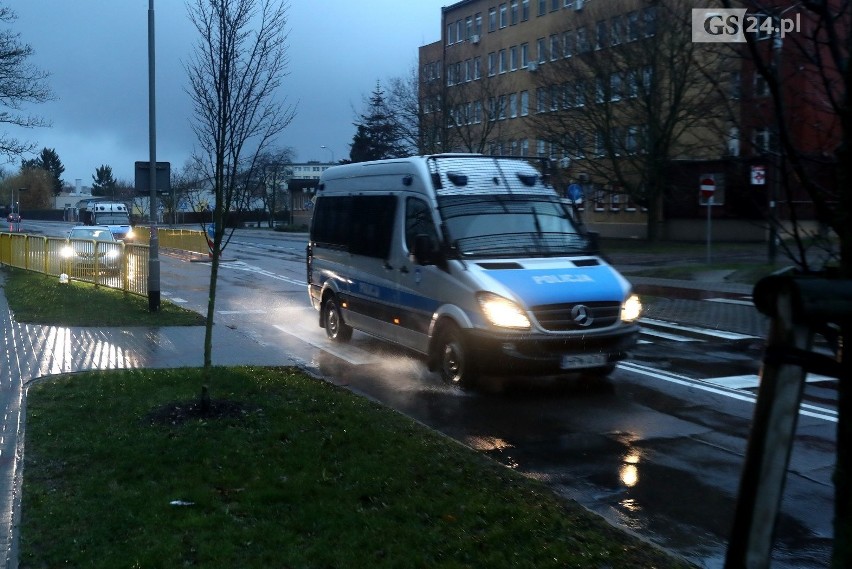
(97, 54)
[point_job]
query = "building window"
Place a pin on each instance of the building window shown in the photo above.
(513, 105)
(477, 112)
(761, 85)
(615, 87)
(615, 201)
(541, 44)
(460, 31)
(492, 64)
(477, 24)
(541, 100)
(601, 34)
(764, 141)
(554, 5)
(632, 84)
(580, 94)
(525, 103)
(492, 19)
(477, 68)
(599, 198)
(504, 20)
(555, 97)
(649, 15)
(468, 27)
(582, 40)
(600, 144)
(600, 89)
(616, 30)
(513, 58)
(554, 47)
(541, 148)
(567, 95)
(525, 147)
(525, 55)
(525, 10)
(503, 61)
(542, 7)
(568, 44)
(513, 12)
(632, 26)
(501, 108)
(451, 34)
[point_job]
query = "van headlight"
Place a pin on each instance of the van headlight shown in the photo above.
(67, 251)
(502, 312)
(631, 309)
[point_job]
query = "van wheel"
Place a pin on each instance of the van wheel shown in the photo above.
(453, 358)
(335, 328)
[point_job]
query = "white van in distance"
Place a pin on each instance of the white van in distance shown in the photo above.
(470, 260)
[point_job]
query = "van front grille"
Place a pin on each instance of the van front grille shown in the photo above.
(577, 315)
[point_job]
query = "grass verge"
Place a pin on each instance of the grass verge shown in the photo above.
(41, 299)
(299, 473)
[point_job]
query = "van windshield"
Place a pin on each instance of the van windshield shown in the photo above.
(511, 225)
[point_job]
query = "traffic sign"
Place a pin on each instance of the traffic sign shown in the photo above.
(707, 187)
(758, 175)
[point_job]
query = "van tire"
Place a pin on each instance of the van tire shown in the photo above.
(332, 320)
(453, 358)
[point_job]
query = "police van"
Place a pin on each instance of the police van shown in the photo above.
(473, 261)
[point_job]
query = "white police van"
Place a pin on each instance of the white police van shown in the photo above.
(471, 260)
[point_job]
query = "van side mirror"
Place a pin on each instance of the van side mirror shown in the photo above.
(424, 251)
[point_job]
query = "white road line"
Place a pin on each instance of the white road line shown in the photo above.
(751, 381)
(178, 300)
(731, 301)
(695, 330)
(351, 354)
(242, 266)
(228, 312)
(705, 385)
(666, 335)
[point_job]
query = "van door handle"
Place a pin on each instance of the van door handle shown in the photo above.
(403, 269)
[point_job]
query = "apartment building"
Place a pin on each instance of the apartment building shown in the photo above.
(631, 112)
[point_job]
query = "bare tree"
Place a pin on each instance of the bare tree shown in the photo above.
(20, 83)
(625, 98)
(235, 76)
(807, 74)
(274, 168)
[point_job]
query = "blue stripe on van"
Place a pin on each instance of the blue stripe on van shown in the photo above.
(570, 284)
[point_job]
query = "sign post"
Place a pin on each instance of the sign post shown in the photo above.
(707, 188)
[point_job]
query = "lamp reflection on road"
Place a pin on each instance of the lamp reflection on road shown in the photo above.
(629, 472)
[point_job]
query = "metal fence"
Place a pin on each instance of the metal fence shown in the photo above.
(123, 266)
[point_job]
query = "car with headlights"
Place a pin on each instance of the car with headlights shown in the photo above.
(92, 248)
(473, 261)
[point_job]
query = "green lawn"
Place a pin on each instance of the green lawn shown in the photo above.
(290, 472)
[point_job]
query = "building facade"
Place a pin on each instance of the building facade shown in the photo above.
(632, 113)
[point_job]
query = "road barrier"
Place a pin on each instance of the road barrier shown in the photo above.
(122, 266)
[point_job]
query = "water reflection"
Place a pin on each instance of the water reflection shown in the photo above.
(60, 349)
(629, 472)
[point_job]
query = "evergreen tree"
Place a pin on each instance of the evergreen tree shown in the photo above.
(378, 134)
(47, 160)
(103, 183)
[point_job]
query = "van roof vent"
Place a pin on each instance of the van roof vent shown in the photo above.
(499, 266)
(586, 263)
(457, 179)
(527, 179)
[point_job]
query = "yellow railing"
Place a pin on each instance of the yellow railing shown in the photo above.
(123, 266)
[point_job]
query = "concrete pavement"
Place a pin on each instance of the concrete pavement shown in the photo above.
(33, 351)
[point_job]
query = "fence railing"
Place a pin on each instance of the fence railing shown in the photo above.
(123, 266)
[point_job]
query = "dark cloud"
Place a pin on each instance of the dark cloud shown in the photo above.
(97, 54)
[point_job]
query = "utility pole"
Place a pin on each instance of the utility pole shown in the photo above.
(154, 244)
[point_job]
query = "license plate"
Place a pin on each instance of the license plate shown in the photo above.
(583, 361)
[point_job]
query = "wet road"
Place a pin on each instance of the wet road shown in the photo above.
(657, 449)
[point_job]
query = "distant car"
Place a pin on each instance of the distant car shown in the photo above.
(93, 247)
(13, 218)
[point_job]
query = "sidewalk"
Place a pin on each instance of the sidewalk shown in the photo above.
(32, 351)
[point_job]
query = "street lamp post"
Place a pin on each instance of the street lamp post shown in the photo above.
(154, 243)
(330, 150)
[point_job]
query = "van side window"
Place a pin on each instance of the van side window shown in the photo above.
(418, 221)
(362, 225)
(372, 225)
